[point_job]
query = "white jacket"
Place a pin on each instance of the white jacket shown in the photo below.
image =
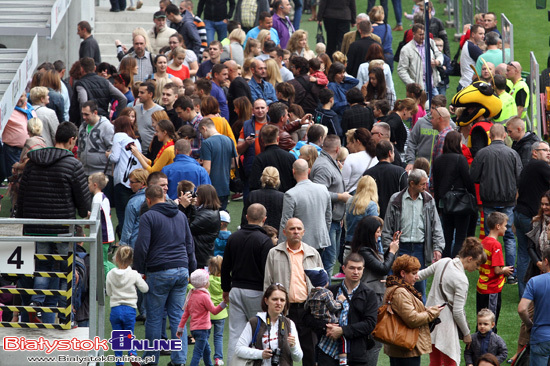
(161, 40)
(455, 286)
(242, 350)
(121, 286)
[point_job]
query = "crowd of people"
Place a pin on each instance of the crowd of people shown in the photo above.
(338, 176)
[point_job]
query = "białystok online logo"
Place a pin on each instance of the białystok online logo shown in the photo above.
(121, 340)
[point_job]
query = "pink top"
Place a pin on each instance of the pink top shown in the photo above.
(199, 308)
(15, 132)
(321, 78)
(421, 113)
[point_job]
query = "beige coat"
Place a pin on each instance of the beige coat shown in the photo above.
(413, 312)
(161, 40)
(277, 266)
(353, 36)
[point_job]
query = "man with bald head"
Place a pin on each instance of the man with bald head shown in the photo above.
(487, 72)
(497, 169)
(286, 264)
(441, 121)
(242, 274)
(184, 167)
(515, 127)
(238, 87)
(519, 89)
(309, 202)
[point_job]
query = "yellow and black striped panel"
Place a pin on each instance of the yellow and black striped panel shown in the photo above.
(37, 274)
(30, 291)
(33, 309)
(36, 325)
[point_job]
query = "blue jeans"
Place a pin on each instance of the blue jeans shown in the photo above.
(202, 347)
(415, 250)
(11, 156)
(123, 317)
(397, 9)
(213, 27)
(166, 291)
(523, 226)
(330, 253)
(218, 337)
(540, 353)
(509, 238)
(223, 200)
(298, 7)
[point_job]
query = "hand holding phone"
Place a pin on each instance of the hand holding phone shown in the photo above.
(396, 235)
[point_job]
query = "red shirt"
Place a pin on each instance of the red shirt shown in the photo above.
(182, 73)
(489, 282)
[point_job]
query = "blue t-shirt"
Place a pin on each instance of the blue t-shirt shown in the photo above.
(217, 92)
(538, 290)
(220, 151)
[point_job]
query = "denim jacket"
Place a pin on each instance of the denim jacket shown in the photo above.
(267, 92)
(131, 219)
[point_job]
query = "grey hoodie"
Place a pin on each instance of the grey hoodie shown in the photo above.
(93, 145)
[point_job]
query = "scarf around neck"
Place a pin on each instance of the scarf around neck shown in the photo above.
(393, 280)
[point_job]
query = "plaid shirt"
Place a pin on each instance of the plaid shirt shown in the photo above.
(328, 345)
(323, 306)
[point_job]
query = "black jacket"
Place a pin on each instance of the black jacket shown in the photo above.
(53, 186)
(451, 171)
(216, 10)
(205, 226)
(389, 179)
(238, 88)
(244, 259)
(356, 54)
(398, 134)
(276, 157)
(306, 93)
(362, 318)
(272, 200)
(97, 89)
(357, 116)
(533, 182)
(523, 147)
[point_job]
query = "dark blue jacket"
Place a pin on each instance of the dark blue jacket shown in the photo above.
(164, 240)
(184, 168)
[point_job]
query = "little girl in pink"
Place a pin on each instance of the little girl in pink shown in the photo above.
(198, 307)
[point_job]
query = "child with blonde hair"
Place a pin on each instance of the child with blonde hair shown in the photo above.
(121, 287)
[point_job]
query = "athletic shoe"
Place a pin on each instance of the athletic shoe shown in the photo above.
(139, 4)
(237, 197)
(218, 362)
(512, 280)
(131, 8)
(339, 276)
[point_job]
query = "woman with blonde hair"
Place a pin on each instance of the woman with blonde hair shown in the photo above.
(297, 45)
(382, 30)
(234, 50)
(363, 203)
(309, 153)
(177, 68)
(263, 36)
(176, 40)
(247, 73)
(273, 73)
(269, 196)
(40, 97)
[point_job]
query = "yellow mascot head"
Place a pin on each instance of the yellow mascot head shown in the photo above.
(478, 99)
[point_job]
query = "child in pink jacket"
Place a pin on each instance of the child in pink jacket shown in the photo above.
(198, 306)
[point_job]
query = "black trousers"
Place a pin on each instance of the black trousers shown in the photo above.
(308, 340)
(451, 224)
(335, 28)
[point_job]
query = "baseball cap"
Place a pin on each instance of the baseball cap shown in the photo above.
(159, 14)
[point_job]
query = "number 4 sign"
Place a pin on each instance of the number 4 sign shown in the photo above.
(17, 257)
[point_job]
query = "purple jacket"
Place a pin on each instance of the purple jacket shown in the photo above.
(282, 29)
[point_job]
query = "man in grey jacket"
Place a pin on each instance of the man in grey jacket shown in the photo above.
(95, 137)
(412, 213)
(497, 169)
(310, 203)
(326, 171)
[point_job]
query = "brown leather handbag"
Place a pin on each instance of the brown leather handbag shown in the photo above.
(390, 328)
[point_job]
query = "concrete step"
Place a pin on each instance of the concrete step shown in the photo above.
(109, 38)
(115, 27)
(143, 15)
